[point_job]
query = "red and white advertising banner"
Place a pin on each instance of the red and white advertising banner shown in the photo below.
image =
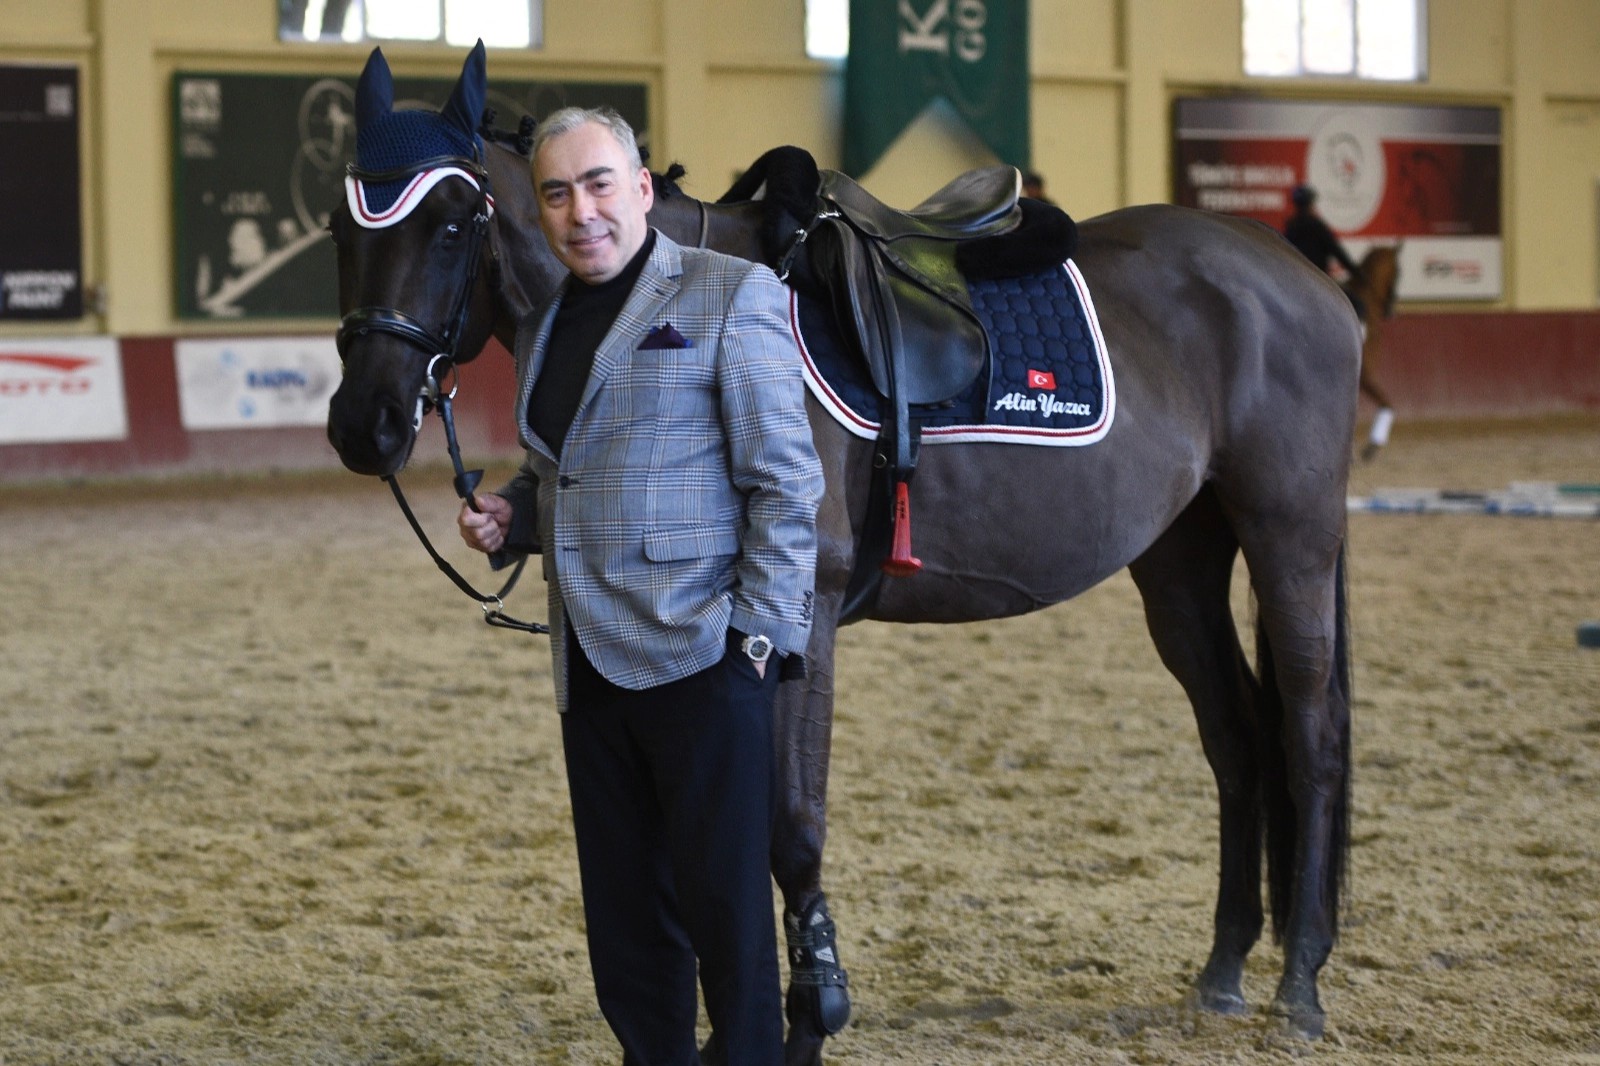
(256, 382)
(1425, 178)
(58, 390)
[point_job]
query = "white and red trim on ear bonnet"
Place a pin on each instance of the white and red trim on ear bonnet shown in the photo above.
(365, 198)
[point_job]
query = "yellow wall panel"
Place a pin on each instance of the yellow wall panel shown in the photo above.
(1077, 146)
(1572, 52)
(1199, 39)
(1469, 45)
(23, 22)
(729, 79)
(747, 124)
(771, 28)
(1567, 173)
(596, 29)
(1074, 35)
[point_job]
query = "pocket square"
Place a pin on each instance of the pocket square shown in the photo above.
(664, 337)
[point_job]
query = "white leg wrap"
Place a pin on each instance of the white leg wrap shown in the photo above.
(1382, 422)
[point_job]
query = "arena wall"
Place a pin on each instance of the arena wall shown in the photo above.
(1104, 76)
(1435, 366)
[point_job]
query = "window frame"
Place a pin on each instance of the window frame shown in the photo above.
(1299, 69)
(358, 10)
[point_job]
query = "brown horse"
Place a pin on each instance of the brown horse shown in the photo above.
(1236, 364)
(1373, 292)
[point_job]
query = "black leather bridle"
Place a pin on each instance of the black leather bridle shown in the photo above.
(444, 349)
(445, 344)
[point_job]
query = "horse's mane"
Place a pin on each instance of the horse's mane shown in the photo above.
(666, 184)
(520, 141)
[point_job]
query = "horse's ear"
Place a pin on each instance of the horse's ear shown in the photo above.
(465, 109)
(375, 90)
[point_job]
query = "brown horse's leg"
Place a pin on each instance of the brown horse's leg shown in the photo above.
(818, 1001)
(1384, 419)
(1184, 579)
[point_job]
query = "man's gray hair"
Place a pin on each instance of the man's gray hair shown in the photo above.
(570, 118)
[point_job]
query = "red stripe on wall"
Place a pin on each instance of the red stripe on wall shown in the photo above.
(1434, 365)
(1506, 364)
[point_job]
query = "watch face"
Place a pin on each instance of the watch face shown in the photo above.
(758, 648)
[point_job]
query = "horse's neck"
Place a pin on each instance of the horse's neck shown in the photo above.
(528, 270)
(731, 228)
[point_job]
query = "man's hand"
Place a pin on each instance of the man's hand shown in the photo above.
(485, 529)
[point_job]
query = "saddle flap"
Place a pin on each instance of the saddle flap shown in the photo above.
(887, 305)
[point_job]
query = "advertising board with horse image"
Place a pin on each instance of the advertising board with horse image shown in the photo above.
(1235, 368)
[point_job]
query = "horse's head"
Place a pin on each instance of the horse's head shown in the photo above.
(417, 262)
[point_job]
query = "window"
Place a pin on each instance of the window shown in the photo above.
(500, 23)
(1378, 39)
(827, 29)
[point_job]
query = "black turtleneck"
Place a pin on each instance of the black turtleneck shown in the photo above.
(581, 323)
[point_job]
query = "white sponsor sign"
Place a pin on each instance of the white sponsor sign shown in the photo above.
(1444, 268)
(239, 384)
(57, 390)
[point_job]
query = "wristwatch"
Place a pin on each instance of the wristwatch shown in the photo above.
(759, 648)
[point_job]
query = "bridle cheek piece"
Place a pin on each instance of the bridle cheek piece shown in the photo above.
(443, 349)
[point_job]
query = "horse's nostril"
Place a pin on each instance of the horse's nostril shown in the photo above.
(391, 430)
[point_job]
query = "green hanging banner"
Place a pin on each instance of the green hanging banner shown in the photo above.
(905, 54)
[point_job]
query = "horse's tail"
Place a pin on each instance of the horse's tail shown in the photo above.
(1282, 836)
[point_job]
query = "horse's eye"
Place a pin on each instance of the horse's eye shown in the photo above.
(452, 230)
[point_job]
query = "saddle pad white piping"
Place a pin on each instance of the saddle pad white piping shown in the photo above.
(992, 434)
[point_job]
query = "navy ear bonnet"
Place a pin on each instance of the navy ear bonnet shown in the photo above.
(388, 140)
(402, 139)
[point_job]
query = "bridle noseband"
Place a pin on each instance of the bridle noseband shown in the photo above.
(444, 350)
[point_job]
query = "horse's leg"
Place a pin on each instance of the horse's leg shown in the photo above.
(1184, 579)
(1383, 420)
(818, 1001)
(1297, 573)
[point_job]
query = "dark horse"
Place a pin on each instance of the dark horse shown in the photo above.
(1373, 290)
(1236, 365)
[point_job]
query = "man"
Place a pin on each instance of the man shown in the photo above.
(672, 487)
(1306, 230)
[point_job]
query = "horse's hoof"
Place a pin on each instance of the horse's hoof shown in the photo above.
(1302, 1023)
(1216, 1001)
(802, 1052)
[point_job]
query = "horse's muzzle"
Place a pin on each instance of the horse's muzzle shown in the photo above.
(371, 435)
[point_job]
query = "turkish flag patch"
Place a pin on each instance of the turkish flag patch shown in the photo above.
(1041, 379)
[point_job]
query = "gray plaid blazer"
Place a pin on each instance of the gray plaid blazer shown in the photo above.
(685, 499)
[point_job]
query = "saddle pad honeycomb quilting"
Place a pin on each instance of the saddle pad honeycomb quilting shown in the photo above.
(1049, 379)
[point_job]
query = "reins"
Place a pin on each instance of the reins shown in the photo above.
(444, 349)
(465, 482)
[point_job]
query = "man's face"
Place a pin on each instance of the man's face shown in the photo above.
(592, 202)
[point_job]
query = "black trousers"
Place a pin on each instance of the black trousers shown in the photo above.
(672, 803)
